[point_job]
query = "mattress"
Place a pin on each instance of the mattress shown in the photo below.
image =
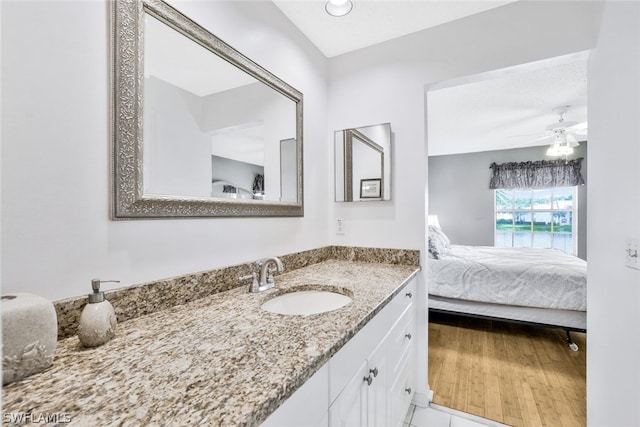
(527, 277)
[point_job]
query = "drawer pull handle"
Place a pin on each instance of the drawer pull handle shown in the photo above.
(409, 294)
(408, 390)
(407, 336)
(374, 371)
(368, 379)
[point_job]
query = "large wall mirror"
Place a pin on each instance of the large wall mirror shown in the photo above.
(363, 163)
(200, 130)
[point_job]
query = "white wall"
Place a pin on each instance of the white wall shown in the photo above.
(613, 305)
(56, 233)
(176, 151)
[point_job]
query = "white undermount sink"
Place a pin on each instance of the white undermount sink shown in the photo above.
(306, 302)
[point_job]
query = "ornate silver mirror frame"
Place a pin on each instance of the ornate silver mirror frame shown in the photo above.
(349, 135)
(362, 154)
(128, 198)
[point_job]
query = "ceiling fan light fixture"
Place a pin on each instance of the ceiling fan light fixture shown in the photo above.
(338, 7)
(559, 150)
(562, 145)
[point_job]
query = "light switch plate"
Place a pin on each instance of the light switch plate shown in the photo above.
(340, 226)
(632, 253)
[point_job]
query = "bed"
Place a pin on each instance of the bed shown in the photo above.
(542, 287)
(229, 190)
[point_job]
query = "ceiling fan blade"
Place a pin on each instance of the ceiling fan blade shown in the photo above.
(541, 138)
(581, 132)
(528, 135)
(579, 126)
(579, 129)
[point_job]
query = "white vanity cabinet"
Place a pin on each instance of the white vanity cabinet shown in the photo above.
(380, 390)
(370, 381)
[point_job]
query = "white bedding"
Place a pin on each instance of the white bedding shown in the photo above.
(528, 277)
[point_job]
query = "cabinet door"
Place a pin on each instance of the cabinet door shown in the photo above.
(350, 408)
(307, 407)
(377, 392)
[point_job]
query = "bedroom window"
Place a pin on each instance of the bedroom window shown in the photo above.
(537, 218)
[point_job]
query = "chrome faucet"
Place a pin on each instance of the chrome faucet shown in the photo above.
(266, 275)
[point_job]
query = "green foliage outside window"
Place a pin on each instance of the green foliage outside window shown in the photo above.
(535, 218)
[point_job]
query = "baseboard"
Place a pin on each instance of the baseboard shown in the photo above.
(422, 400)
(466, 416)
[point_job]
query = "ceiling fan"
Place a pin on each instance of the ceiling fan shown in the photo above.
(563, 134)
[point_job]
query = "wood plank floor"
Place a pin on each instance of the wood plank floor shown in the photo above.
(514, 374)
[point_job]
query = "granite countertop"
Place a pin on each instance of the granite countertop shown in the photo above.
(220, 360)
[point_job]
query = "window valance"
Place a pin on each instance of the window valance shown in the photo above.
(538, 174)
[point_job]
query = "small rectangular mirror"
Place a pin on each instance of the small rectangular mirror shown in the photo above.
(363, 163)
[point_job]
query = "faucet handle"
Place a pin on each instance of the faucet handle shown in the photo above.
(253, 277)
(253, 287)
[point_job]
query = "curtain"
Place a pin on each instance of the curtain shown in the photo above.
(538, 174)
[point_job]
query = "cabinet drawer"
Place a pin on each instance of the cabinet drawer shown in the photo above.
(403, 389)
(401, 338)
(404, 299)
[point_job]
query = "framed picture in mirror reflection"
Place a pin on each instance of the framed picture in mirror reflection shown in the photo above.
(371, 188)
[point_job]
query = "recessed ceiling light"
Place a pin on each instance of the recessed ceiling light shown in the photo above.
(338, 7)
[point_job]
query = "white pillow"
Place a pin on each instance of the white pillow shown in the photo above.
(438, 242)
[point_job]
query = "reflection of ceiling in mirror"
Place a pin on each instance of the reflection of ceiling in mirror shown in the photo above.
(176, 59)
(244, 143)
(377, 133)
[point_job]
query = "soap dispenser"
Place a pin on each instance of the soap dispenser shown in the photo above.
(98, 319)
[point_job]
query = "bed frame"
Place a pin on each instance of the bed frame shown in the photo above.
(568, 320)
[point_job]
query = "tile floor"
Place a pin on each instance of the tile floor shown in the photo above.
(439, 416)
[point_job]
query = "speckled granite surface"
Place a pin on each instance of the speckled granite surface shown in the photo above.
(134, 301)
(218, 360)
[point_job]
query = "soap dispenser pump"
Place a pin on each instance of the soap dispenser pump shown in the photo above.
(98, 319)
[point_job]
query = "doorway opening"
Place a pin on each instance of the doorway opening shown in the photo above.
(515, 374)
